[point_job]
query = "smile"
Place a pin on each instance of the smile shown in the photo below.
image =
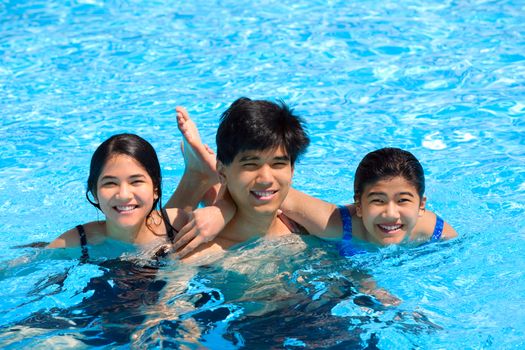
(124, 209)
(263, 195)
(390, 228)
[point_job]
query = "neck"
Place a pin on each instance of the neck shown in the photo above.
(134, 234)
(245, 226)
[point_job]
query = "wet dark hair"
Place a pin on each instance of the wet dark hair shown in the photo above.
(130, 145)
(387, 163)
(260, 125)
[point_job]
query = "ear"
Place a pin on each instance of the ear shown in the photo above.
(221, 172)
(422, 206)
(156, 193)
(358, 209)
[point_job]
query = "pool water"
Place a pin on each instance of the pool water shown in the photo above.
(443, 79)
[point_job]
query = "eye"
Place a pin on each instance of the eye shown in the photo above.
(109, 184)
(377, 201)
(249, 165)
(404, 200)
(137, 182)
(280, 165)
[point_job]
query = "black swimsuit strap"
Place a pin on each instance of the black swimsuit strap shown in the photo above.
(83, 243)
(170, 230)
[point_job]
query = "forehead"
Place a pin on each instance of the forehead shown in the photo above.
(123, 164)
(391, 186)
(265, 154)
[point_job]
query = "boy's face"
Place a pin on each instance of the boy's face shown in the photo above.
(390, 209)
(258, 181)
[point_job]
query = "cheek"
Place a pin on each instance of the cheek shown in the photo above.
(285, 179)
(412, 215)
(102, 195)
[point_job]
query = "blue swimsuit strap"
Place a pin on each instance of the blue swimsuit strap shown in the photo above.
(83, 243)
(347, 222)
(438, 229)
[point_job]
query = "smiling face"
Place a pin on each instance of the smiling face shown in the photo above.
(125, 192)
(389, 209)
(258, 181)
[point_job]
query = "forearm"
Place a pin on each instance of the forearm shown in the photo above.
(190, 191)
(226, 207)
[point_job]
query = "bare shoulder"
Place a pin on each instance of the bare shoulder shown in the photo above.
(448, 231)
(426, 224)
(95, 233)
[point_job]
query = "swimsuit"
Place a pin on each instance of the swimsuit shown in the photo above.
(438, 230)
(170, 230)
(346, 248)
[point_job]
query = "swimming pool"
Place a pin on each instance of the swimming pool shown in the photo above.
(443, 79)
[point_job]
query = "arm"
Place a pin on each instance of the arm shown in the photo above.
(191, 190)
(320, 218)
(204, 225)
(369, 286)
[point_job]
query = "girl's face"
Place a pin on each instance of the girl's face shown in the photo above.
(125, 192)
(390, 209)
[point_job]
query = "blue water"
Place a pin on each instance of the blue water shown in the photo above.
(444, 79)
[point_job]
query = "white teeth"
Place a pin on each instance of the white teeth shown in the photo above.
(390, 228)
(125, 207)
(263, 193)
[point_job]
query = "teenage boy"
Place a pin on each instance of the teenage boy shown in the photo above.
(258, 143)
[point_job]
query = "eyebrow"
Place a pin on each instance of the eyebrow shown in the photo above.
(249, 157)
(246, 158)
(115, 177)
(384, 194)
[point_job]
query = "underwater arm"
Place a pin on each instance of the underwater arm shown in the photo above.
(320, 218)
(369, 286)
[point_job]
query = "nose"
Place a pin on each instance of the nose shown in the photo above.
(124, 192)
(265, 175)
(391, 211)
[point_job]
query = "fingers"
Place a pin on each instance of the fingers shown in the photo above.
(190, 247)
(185, 234)
(182, 241)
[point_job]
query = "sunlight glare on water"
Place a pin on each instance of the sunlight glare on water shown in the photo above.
(443, 79)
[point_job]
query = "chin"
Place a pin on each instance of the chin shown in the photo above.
(127, 223)
(392, 240)
(265, 210)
